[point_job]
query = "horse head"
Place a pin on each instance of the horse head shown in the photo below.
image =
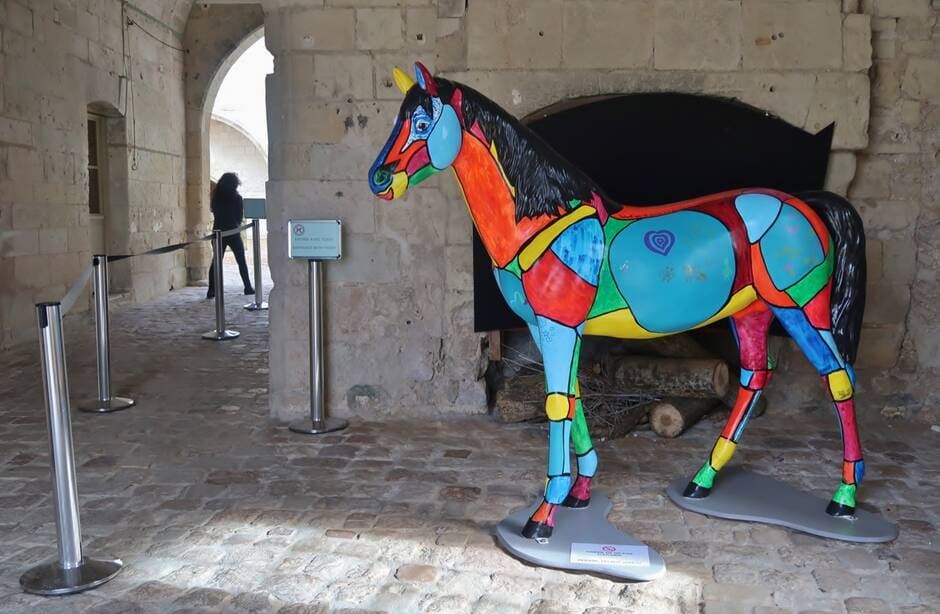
(426, 138)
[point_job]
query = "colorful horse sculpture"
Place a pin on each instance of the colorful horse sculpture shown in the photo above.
(571, 263)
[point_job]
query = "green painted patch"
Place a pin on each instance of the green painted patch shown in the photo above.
(705, 476)
(422, 173)
(804, 290)
(513, 267)
(845, 495)
(608, 296)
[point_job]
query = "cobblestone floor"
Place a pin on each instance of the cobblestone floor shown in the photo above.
(214, 508)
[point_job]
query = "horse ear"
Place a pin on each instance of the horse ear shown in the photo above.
(402, 80)
(425, 80)
(456, 101)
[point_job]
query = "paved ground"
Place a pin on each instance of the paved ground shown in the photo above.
(214, 508)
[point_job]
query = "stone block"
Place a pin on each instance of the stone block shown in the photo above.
(922, 79)
(856, 42)
(20, 18)
(319, 29)
(420, 27)
(368, 259)
(346, 76)
(451, 8)
(841, 172)
(514, 34)
(54, 241)
(901, 8)
(16, 132)
(32, 271)
(880, 346)
(787, 95)
(697, 35)
(887, 300)
(378, 28)
(603, 34)
(886, 87)
(19, 243)
(316, 122)
(796, 35)
(843, 99)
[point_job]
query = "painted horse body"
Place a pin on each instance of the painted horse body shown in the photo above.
(571, 263)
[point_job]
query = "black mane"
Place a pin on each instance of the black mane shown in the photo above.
(543, 179)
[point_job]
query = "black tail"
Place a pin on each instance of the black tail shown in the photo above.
(848, 287)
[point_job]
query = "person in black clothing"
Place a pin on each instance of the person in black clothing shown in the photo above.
(227, 211)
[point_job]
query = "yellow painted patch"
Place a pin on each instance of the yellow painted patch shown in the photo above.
(556, 406)
(543, 239)
(722, 453)
(577, 389)
(402, 80)
(502, 171)
(840, 385)
(399, 184)
(623, 325)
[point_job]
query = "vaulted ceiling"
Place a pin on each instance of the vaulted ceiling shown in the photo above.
(173, 13)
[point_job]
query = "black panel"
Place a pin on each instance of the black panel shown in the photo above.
(651, 149)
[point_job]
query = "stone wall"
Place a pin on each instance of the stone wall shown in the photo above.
(399, 313)
(56, 59)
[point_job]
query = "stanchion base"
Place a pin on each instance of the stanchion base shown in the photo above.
(215, 335)
(53, 579)
(310, 427)
(256, 306)
(98, 406)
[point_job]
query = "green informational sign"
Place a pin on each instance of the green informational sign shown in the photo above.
(314, 239)
(254, 208)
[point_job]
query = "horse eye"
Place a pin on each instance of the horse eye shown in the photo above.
(421, 126)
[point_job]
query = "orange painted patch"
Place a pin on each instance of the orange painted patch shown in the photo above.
(818, 311)
(765, 287)
(491, 204)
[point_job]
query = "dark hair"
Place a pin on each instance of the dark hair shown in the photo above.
(226, 191)
(543, 179)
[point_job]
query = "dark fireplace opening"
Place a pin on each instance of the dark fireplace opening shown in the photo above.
(650, 149)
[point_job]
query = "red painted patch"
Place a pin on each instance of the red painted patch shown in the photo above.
(817, 310)
(557, 292)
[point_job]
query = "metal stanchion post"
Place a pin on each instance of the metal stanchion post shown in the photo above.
(220, 333)
(317, 423)
(72, 572)
(105, 402)
(258, 304)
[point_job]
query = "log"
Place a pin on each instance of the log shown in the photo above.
(672, 416)
(521, 398)
(671, 377)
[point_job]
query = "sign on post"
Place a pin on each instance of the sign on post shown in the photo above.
(315, 239)
(254, 208)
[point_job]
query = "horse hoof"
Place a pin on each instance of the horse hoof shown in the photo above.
(572, 501)
(537, 530)
(840, 510)
(694, 491)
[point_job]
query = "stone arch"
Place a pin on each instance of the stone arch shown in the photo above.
(233, 148)
(216, 35)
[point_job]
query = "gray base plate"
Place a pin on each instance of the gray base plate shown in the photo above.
(256, 306)
(105, 407)
(53, 579)
(214, 335)
(742, 495)
(586, 525)
(310, 427)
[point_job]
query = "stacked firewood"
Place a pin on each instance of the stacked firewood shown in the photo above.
(673, 386)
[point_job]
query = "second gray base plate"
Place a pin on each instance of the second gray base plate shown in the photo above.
(739, 494)
(587, 525)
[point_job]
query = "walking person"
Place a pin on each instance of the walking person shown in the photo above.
(227, 211)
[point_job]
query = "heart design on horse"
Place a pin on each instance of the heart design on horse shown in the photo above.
(659, 241)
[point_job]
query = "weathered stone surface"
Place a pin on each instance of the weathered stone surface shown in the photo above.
(922, 79)
(601, 34)
(378, 28)
(856, 42)
(515, 33)
(791, 35)
(698, 35)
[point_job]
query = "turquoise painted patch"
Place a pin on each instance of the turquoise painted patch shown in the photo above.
(512, 290)
(581, 248)
(758, 211)
(790, 248)
(674, 284)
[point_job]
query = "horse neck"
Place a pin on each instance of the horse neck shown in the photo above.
(491, 200)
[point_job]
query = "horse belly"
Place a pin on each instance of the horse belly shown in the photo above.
(675, 272)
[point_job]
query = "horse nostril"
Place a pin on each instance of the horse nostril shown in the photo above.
(382, 176)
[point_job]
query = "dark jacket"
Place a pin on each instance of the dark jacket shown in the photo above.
(227, 210)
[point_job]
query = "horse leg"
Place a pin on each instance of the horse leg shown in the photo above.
(820, 348)
(580, 493)
(750, 333)
(560, 346)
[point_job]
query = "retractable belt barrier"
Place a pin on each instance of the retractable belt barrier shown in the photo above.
(73, 571)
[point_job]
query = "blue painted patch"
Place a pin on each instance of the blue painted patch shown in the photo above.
(581, 248)
(790, 248)
(831, 342)
(511, 287)
(859, 472)
(808, 338)
(746, 375)
(445, 139)
(587, 464)
(681, 289)
(758, 212)
(558, 344)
